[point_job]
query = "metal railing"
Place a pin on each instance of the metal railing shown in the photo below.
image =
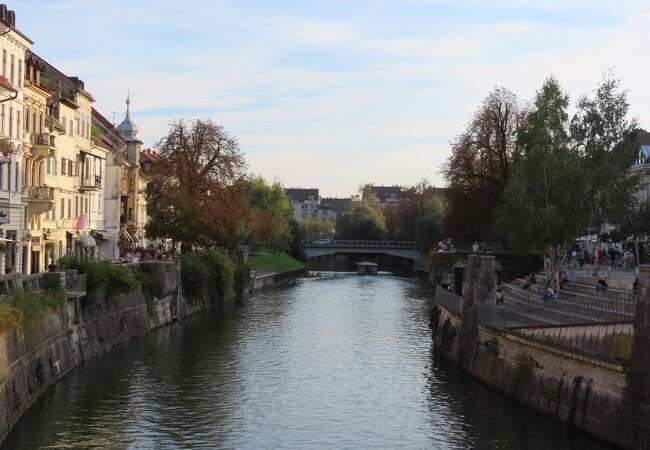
(362, 244)
(448, 300)
(91, 182)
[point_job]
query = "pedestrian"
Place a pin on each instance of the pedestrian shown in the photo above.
(635, 286)
(549, 294)
(581, 258)
(565, 279)
(601, 285)
(612, 257)
(475, 247)
(499, 296)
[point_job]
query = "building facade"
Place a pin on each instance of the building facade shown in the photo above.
(304, 203)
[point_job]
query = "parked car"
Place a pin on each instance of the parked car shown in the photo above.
(323, 242)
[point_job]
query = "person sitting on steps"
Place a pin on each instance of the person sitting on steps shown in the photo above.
(601, 285)
(549, 294)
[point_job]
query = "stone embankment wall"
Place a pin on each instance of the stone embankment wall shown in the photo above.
(602, 396)
(33, 360)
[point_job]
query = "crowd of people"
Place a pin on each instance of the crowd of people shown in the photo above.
(613, 258)
(151, 254)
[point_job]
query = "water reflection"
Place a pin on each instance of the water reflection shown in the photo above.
(326, 362)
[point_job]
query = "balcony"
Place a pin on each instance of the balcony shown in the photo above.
(91, 183)
(43, 144)
(39, 193)
(40, 199)
(55, 124)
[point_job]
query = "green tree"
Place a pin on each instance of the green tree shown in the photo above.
(545, 197)
(430, 224)
(270, 213)
(316, 229)
(362, 221)
(607, 140)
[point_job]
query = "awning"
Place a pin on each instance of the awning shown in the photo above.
(87, 241)
(8, 240)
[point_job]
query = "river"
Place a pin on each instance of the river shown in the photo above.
(324, 363)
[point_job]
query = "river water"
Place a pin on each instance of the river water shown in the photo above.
(324, 363)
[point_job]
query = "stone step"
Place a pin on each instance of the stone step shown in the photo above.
(591, 309)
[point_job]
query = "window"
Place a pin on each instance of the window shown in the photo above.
(62, 212)
(40, 121)
(76, 205)
(70, 132)
(17, 176)
(20, 72)
(69, 208)
(19, 130)
(34, 122)
(9, 176)
(11, 122)
(70, 168)
(63, 166)
(27, 119)
(49, 165)
(4, 63)
(13, 76)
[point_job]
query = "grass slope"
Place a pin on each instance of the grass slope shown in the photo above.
(279, 262)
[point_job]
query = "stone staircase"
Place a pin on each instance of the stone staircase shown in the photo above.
(576, 304)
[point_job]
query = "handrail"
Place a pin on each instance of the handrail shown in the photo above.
(362, 244)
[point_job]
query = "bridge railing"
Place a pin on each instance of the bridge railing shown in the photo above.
(362, 244)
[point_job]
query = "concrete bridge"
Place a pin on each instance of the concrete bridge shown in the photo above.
(403, 249)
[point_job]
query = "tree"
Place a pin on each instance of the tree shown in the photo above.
(313, 229)
(545, 202)
(607, 141)
(479, 166)
(191, 196)
(419, 215)
(362, 221)
(270, 213)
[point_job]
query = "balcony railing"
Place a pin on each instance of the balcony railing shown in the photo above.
(45, 139)
(91, 183)
(55, 123)
(45, 193)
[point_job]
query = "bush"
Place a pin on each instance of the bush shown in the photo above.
(151, 281)
(24, 309)
(104, 278)
(210, 275)
(242, 274)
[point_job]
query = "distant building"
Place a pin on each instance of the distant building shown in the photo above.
(333, 208)
(387, 194)
(304, 202)
(642, 167)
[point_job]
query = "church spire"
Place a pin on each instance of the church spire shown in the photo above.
(127, 128)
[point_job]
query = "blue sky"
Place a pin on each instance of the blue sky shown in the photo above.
(332, 94)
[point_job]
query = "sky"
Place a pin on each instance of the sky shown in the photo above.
(336, 93)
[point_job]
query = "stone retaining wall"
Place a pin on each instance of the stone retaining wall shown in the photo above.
(32, 361)
(603, 396)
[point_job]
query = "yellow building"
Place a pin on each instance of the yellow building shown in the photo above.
(41, 131)
(76, 172)
(133, 214)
